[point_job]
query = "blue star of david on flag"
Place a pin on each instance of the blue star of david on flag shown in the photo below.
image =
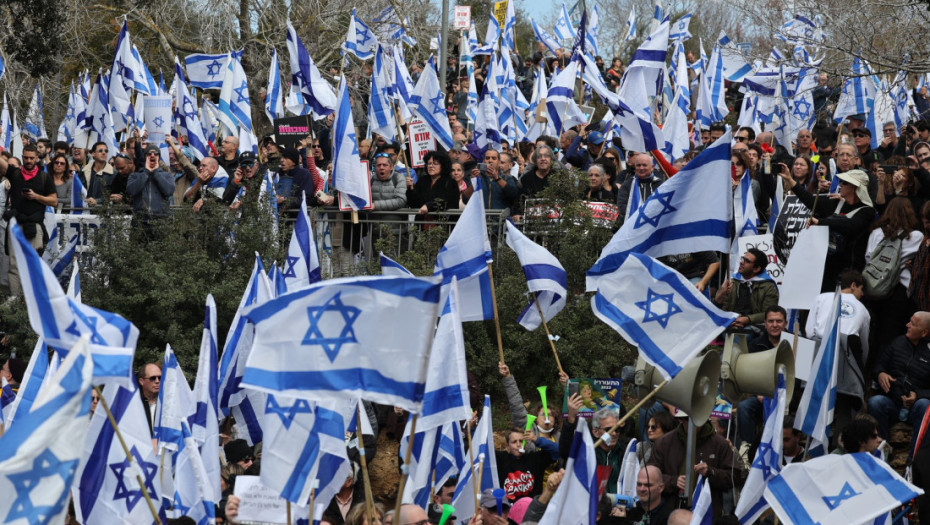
(845, 493)
(437, 100)
(213, 68)
(126, 488)
(243, 88)
(665, 200)
(802, 109)
(362, 35)
(289, 263)
(652, 314)
(158, 121)
(287, 413)
(331, 345)
(765, 459)
(45, 465)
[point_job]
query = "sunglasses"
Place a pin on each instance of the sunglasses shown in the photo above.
(60, 163)
(652, 427)
(742, 139)
(382, 156)
(154, 378)
(246, 164)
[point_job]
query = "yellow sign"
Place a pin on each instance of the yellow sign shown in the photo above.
(500, 11)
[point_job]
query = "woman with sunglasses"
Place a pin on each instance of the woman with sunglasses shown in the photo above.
(61, 174)
(435, 190)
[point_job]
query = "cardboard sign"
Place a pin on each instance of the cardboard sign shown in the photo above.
(158, 118)
(289, 131)
(595, 393)
(764, 243)
(259, 504)
(804, 358)
(421, 142)
(344, 206)
(602, 211)
(461, 17)
(804, 273)
(791, 220)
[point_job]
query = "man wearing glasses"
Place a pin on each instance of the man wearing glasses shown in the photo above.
(229, 154)
(98, 174)
(889, 140)
(745, 135)
(149, 378)
(149, 187)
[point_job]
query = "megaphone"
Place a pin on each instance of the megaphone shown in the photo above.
(755, 373)
(693, 390)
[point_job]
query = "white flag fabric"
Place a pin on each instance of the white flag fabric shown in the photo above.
(105, 488)
(689, 212)
(203, 421)
(175, 403)
(349, 176)
(561, 108)
(656, 309)
(575, 501)
(302, 266)
(815, 411)
(206, 71)
(427, 103)
(767, 463)
(315, 90)
(545, 277)
(39, 456)
(466, 256)
(701, 505)
(235, 108)
(365, 337)
(482, 452)
(274, 101)
(437, 451)
(446, 399)
(391, 267)
(185, 113)
(849, 489)
(61, 321)
(360, 41)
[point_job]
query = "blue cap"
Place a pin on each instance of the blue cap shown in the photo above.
(596, 138)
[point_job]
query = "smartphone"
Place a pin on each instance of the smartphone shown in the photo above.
(482, 167)
(572, 388)
(889, 168)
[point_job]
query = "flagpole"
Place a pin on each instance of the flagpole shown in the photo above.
(404, 469)
(369, 499)
(288, 513)
(312, 496)
(631, 411)
(497, 322)
(471, 459)
(145, 493)
(548, 335)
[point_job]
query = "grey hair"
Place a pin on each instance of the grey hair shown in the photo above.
(598, 168)
(603, 414)
(544, 147)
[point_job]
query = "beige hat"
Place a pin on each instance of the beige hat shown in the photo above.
(860, 180)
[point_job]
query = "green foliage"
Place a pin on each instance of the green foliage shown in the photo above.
(36, 39)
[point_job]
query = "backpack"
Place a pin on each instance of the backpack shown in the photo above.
(883, 272)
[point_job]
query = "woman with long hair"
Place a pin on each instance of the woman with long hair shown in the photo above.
(890, 315)
(919, 288)
(463, 183)
(61, 174)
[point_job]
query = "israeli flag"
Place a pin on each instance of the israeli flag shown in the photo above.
(744, 207)
(487, 133)
(98, 119)
(78, 194)
(849, 488)
(491, 36)
(205, 71)
(2, 66)
(440, 451)
(235, 109)
(125, 72)
(239, 343)
(185, 114)
(380, 110)
(391, 267)
(6, 126)
(767, 463)
(175, 404)
(466, 256)
(801, 30)
(711, 102)
(68, 128)
(349, 176)
(7, 397)
(446, 399)
(203, 422)
(702, 508)
(34, 125)
(691, 211)
(106, 489)
(575, 501)
(815, 412)
(302, 265)
(631, 25)
(299, 433)
(659, 311)
(25, 396)
(365, 337)
(274, 105)
(680, 30)
(427, 102)
(61, 321)
(190, 496)
(735, 66)
(858, 97)
(561, 108)
(543, 36)
(145, 84)
(316, 91)
(510, 22)
(563, 26)
(39, 456)
(484, 461)
(472, 101)
(360, 41)
(545, 277)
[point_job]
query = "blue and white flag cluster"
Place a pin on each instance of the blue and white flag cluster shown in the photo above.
(545, 277)
(575, 501)
(815, 411)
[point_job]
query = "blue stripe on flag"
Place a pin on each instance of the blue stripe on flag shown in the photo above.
(635, 331)
(446, 398)
(878, 475)
(789, 500)
(545, 271)
(330, 380)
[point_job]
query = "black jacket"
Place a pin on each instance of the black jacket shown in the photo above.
(909, 365)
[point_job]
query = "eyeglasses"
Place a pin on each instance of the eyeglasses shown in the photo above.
(652, 427)
(60, 163)
(747, 260)
(151, 153)
(888, 131)
(102, 151)
(248, 459)
(246, 164)
(742, 139)
(382, 156)
(859, 135)
(315, 146)
(154, 378)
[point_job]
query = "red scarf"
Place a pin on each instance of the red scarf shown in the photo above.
(28, 175)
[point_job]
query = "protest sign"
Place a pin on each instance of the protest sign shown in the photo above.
(776, 267)
(421, 142)
(804, 273)
(595, 394)
(791, 220)
(289, 131)
(259, 504)
(461, 17)
(158, 118)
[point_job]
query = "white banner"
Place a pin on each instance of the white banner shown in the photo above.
(158, 117)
